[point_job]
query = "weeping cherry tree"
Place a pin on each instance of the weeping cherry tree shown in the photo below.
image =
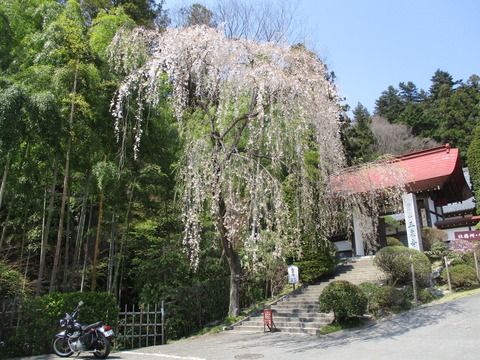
(251, 117)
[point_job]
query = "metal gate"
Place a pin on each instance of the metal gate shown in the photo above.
(140, 327)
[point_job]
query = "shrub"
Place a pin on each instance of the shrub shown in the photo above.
(312, 269)
(438, 250)
(431, 236)
(10, 281)
(391, 298)
(396, 262)
(383, 298)
(344, 299)
(462, 277)
(372, 292)
(391, 241)
(391, 221)
(426, 296)
(469, 258)
(319, 259)
(38, 319)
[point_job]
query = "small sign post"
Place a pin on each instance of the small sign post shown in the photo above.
(293, 277)
(268, 321)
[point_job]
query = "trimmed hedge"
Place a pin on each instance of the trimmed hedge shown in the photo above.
(373, 294)
(431, 236)
(344, 299)
(396, 262)
(383, 298)
(38, 320)
(462, 277)
(312, 269)
(391, 241)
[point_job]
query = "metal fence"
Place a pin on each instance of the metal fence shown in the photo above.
(140, 327)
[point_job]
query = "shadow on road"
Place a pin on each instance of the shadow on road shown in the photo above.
(391, 327)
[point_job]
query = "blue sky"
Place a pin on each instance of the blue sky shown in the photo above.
(372, 44)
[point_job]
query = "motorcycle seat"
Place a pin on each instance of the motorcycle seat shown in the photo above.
(92, 326)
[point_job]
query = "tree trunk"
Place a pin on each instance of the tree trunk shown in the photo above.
(4, 179)
(117, 280)
(4, 230)
(46, 231)
(24, 235)
(233, 262)
(81, 227)
(113, 254)
(67, 251)
(97, 242)
(85, 253)
(235, 276)
(65, 187)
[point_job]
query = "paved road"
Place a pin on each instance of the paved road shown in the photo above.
(444, 331)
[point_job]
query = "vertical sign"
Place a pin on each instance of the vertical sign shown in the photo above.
(268, 321)
(412, 222)
(293, 274)
(267, 318)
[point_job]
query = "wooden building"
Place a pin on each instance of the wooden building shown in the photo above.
(432, 179)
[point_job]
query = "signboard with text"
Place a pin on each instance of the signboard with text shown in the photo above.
(293, 277)
(268, 321)
(467, 235)
(412, 221)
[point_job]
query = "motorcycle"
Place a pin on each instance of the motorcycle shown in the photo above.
(77, 337)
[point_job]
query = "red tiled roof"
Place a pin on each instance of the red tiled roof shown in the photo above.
(437, 170)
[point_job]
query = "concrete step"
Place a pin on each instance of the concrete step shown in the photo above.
(298, 312)
(291, 323)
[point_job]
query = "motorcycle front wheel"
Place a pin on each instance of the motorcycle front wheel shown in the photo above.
(103, 347)
(60, 346)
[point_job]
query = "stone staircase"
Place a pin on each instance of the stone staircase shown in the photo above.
(298, 311)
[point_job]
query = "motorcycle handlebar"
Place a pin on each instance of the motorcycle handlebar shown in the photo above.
(68, 316)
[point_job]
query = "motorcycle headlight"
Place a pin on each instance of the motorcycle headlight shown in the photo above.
(63, 323)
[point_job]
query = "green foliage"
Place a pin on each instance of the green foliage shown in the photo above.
(12, 283)
(6, 41)
(193, 298)
(396, 262)
(391, 221)
(312, 269)
(383, 299)
(462, 277)
(391, 241)
(431, 236)
(351, 323)
(196, 14)
(425, 296)
(65, 37)
(344, 299)
(469, 258)
(389, 104)
(104, 27)
(447, 113)
(359, 137)
(38, 319)
(373, 293)
(391, 298)
(473, 162)
(40, 44)
(438, 250)
(12, 121)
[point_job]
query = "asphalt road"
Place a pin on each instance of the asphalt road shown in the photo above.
(444, 331)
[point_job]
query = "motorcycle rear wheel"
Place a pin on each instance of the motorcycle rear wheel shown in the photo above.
(61, 347)
(103, 347)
